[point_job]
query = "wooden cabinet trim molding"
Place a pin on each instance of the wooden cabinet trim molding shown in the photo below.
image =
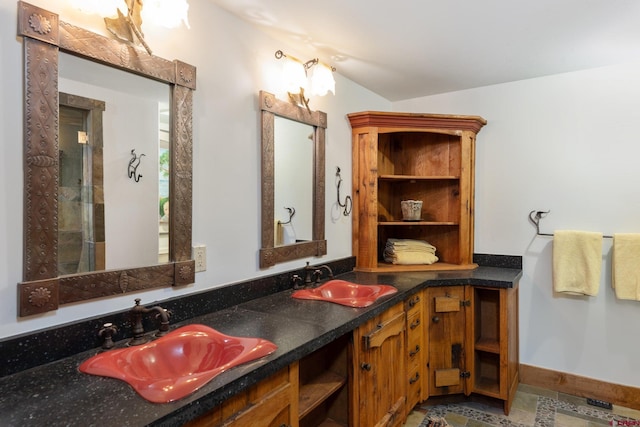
(384, 330)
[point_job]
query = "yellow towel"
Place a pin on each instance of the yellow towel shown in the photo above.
(625, 272)
(410, 258)
(577, 261)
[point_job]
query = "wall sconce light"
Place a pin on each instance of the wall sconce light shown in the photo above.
(127, 25)
(297, 80)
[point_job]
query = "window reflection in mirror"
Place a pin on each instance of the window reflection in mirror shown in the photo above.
(133, 118)
(293, 181)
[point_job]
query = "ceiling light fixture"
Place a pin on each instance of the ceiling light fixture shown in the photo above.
(295, 74)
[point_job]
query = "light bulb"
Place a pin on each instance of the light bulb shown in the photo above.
(294, 75)
(322, 80)
(168, 13)
(104, 8)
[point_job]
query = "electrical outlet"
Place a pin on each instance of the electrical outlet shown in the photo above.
(599, 403)
(200, 257)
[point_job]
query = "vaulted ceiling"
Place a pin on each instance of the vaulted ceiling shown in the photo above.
(403, 49)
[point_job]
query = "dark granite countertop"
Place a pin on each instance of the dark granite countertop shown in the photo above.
(57, 394)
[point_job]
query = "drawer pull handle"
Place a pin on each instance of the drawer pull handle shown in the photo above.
(365, 366)
(414, 352)
(415, 324)
(413, 301)
(415, 378)
(435, 319)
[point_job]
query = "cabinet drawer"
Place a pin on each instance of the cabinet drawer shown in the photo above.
(413, 304)
(414, 388)
(414, 323)
(415, 347)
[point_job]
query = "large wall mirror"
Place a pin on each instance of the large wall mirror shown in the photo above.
(57, 57)
(293, 164)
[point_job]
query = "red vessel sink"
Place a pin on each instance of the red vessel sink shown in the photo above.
(346, 293)
(178, 363)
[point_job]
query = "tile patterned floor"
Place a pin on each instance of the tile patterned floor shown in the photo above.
(532, 406)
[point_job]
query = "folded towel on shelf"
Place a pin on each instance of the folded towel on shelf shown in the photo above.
(410, 245)
(409, 258)
(625, 271)
(409, 251)
(577, 262)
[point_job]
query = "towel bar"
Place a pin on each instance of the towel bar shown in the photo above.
(536, 216)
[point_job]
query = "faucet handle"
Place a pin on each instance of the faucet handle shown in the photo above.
(297, 281)
(317, 274)
(167, 312)
(107, 332)
(164, 316)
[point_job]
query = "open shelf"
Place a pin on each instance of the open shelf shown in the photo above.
(487, 373)
(323, 394)
(488, 345)
(313, 394)
(438, 266)
(488, 386)
(414, 223)
(330, 423)
(415, 177)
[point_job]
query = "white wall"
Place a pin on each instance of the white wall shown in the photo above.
(234, 61)
(566, 143)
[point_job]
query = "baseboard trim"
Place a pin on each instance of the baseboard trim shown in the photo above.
(577, 385)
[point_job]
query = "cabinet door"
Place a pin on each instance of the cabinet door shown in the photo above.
(378, 389)
(446, 338)
(272, 402)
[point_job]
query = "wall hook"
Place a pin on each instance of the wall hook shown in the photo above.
(348, 203)
(133, 165)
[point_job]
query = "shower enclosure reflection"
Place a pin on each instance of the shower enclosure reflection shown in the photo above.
(80, 191)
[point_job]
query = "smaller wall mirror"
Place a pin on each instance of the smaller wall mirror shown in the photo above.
(293, 165)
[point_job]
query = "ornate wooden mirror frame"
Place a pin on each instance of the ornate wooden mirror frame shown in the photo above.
(270, 255)
(43, 290)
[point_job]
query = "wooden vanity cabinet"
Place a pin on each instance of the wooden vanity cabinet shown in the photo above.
(406, 156)
(472, 337)
(312, 392)
(378, 363)
(494, 361)
(442, 340)
(272, 402)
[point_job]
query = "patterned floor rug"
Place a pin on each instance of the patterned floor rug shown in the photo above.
(529, 409)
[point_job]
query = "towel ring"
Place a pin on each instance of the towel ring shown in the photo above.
(348, 203)
(292, 212)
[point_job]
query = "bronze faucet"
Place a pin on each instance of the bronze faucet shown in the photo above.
(137, 311)
(313, 274)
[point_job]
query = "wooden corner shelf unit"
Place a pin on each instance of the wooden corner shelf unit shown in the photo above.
(409, 156)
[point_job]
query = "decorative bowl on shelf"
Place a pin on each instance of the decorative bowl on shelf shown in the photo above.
(178, 363)
(411, 210)
(346, 293)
